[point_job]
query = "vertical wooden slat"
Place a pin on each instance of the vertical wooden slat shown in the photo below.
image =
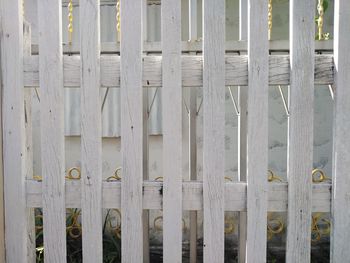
(300, 130)
(13, 130)
(172, 130)
(192, 124)
(242, 134)
(91, 148)
(213, 129)
(52, 129)
(145, 220)
(2, 212)
(29, 147)
(146, 252)
(340, 251)
(131, 130)
(257, 127)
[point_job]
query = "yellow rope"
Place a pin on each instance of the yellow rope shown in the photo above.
(316, 230)
(70, 173)
(70, 21)
(159, 226)
(271, 177)
(319, 176)
(270, 18)
(117, 17)
(274, 226)
(117, 175)
(229, 226)
(74, 229)
(320, 19)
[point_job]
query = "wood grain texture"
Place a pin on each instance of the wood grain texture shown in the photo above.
(242, 133)
(242, 166)
(31, 246)
(300, 130)
(192, 192)
(192, 129)
(232, 46)
(52, 129)
(91, 125)
(172, 130)
(2, 208)
(131, 130)
(213, 129)
(236, 72)
(257, 130)
(13, 130)
(341, 142)
(146, 250)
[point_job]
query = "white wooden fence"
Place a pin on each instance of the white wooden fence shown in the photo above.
(131, 71)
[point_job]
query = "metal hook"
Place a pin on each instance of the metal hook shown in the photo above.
(104, 100)
(331, 91)
(234, 101)
(199, 107)
(153, 99)
(37, 93)
(188, 111)
(284, 100)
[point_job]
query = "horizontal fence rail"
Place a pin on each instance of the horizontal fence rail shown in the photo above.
(236, 71)
(195, 46)
(192, 195)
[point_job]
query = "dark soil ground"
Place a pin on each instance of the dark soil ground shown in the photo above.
(275, 253)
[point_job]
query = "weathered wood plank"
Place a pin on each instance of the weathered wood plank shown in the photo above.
(31, 246)
(172, 130)
(235, 196)
(232, 46)
(2, 208)
(341, 142)
(242, 134)
(52, 129)
(300, 130)
(13, 130)
(131, 130)
(146, 250)
(192, 129)
(192, 71)
(257, 129)
(91, 138)
(213, 129)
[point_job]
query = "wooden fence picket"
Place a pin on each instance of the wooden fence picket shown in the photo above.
(52, 129)
(13, 130)
(131, 130)
(257, 131)
(213, 129)
(300, 130)
(91, 138)
(340, 251)
(242, 134)
(192, 71)
(31, 246)
(172, 130)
